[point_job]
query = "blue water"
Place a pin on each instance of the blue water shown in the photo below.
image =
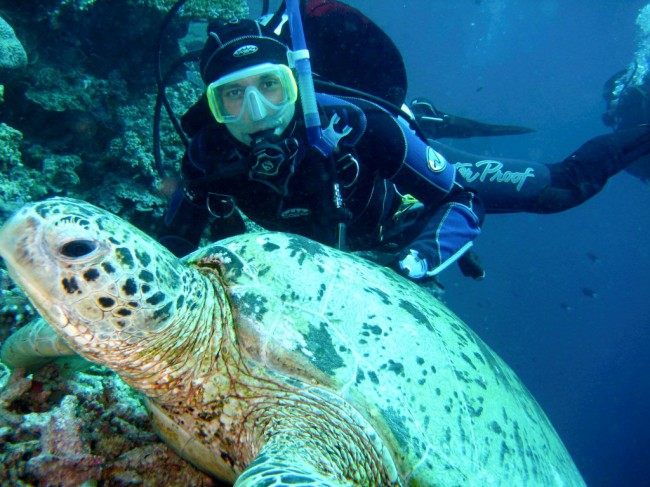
(542, 64)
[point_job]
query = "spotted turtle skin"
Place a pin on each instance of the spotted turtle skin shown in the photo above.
(268, 359)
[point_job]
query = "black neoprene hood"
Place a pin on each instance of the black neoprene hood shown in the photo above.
(232, 46)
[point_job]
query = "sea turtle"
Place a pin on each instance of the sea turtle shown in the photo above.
(268, 359)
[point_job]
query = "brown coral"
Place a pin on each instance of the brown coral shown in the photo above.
(72, 422)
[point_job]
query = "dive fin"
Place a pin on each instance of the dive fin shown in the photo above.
(436, 124)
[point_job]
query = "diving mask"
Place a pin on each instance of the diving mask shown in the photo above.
(252, 94)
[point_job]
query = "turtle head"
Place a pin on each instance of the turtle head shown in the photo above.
(99, 282)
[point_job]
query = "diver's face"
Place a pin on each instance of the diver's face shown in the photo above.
(250, 99)
(254, 99)
(256, 103)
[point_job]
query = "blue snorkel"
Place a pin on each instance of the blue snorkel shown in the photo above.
(325, 141)
(299, 57)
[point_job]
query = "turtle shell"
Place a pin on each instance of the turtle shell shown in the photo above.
(447, 408)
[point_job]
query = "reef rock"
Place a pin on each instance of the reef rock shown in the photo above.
(12, 52)
(72, 423)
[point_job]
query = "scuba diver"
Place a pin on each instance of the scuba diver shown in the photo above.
(250, 150)
(504, 185)
(511, 186)
(628, 105)
(224, 166)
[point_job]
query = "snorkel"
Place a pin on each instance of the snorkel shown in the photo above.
(325, 141)
(299, 57)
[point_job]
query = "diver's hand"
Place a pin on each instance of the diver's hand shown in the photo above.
(471, 266)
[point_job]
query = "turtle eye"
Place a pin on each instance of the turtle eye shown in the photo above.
(78, 248)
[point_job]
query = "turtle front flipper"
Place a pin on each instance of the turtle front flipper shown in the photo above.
(33, 345)
(274, 467)
(315, 439)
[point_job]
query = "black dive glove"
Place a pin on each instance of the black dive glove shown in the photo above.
(471, 266)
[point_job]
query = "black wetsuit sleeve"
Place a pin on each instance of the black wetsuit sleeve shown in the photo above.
(452, 215)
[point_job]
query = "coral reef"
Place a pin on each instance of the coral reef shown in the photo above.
(19, 183)
(74, 119)
(201, 9)
(71, 422)
(79, 116)
(193, 10)
(12, 53)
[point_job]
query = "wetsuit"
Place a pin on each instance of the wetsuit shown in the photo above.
(376, 164)
(366, 50)
(510, 186)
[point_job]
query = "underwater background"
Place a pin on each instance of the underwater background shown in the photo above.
(565, 301)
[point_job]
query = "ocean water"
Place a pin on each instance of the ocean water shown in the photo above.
(565, 300)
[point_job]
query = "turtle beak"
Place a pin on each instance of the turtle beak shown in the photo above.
(22, 252)
(19, 249)
(16, 240)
